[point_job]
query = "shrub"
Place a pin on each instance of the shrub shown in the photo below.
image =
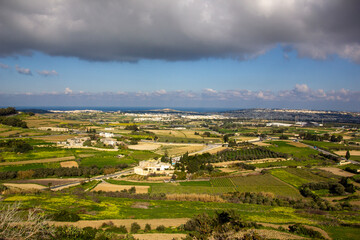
(160, 228)
(299, 229)
(65, 216)
(135, 227)
(147, 228)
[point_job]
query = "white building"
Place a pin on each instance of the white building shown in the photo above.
(276, 124)
(153, 166)
(75, 142)
(106, 134)
(54, 129)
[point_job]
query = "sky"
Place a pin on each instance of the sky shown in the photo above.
(160, 53)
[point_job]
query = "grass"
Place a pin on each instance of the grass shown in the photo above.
(324, 145)
(288, 177)
(264, 183)
(343, 233)
(29, 166)
(222, 182)
(170, 188)
(196, 183)
(102, 159)
(259, 183)
(37, 153)
(115, 208)
(284, 147)
(294, 163)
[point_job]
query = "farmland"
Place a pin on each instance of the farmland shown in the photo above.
(261, 182)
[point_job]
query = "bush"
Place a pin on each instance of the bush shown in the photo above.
(299, 229)
(65, 216)
(135, 227)
(160, 228)
(147, 228)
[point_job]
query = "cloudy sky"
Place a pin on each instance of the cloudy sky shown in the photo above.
(200, 53)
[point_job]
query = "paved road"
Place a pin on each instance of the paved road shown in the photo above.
(329, 153)
(117, 174)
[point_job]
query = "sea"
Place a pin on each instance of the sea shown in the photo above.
(123, 109)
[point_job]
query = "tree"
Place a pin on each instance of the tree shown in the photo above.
(147, 228)
(34, 225)
(226, 138)
(135, 227)
(347, 155)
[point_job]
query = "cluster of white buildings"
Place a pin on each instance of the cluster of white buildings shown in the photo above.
(153, 167)
(200, 117)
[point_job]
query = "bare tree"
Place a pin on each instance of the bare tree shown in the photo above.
(14, 225)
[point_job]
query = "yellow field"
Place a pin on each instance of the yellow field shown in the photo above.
(262, 144)
(337, 171)
(6, 134)
(35, 122)
(69, 164)
(352, 153)
(24, 186)
(297, 144)
(108, 187)
(243, 138)
(145, 146)
(47, 160)
(54, 138)
(176, 150)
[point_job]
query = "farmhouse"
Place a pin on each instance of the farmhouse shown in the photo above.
(106, 134)
(75, 142)
(54, 129)
(153, 166)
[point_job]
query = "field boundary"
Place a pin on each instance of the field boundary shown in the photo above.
(45, 160)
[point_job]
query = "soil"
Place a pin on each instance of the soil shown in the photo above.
(69, 164)
(108, 187)
(24, 186)
(337, 171)
(167, 222)
(46, 181)
(159, 236)
(144, 146)
(352, 153)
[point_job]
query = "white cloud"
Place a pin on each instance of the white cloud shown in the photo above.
(47, 73)
(4, 66)
(24, 71)
(68, 91)
(302, 88)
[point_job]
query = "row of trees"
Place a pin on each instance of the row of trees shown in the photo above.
(62, 172)
(13, 121)
(196, 163)
(7, 111)
(324, 137)
(18, 146)
(336, 188)
(266, 199)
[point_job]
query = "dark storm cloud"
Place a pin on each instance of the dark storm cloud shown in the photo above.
(128, 30)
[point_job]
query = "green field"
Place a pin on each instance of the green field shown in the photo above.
(325, 145)
(259, 183)
(24, 167)
(284, 147)
(102, 159)
(115, 208)
(264, 183)
(288, 177)
(342, 233)
(37, 153)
